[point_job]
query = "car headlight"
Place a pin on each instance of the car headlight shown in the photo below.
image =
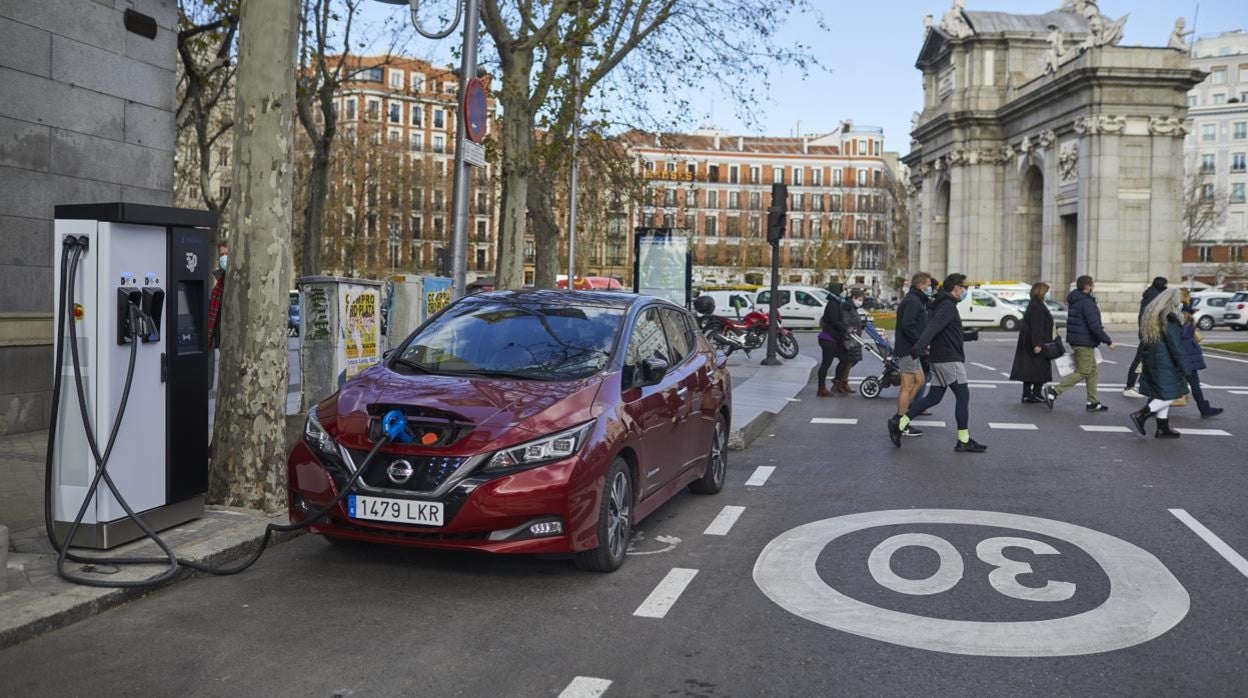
(547, 449)
(321, 443)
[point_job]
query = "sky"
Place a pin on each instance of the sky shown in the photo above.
(869, 53)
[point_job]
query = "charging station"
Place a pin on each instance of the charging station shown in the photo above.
(143, 276)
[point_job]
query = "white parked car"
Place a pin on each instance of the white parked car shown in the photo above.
(980, 308)
(1208, 307)
(799, 306)
(732, 304)
(1057, 310)
(1236, 314)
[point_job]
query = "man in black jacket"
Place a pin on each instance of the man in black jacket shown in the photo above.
(943, 336)
(1159, 284)
(911, 321)
(1084, 333)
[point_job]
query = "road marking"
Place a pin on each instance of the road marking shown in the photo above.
(1145, 600)
(1237, 561)
(1239, 392)
(1107, 361)
(664, 596)
(977, 385)
(928, 423)
(1203, 432)
(1004, 374)
(834, 420)
(585, 687)
(724, 521)
(761, 473)
(986, 367)
(1105, 429)
(1012, 425)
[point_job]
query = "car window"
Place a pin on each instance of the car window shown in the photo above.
(1217, 302)
(738, 301)
(807, 299)
(765, 297)
(982, 299)
(679, 340)
(646, 340)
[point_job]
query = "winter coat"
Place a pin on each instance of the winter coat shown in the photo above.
(831, 323)
(911, 319)
(1036, 329)
(943, 332)
(1191, 348)
(1165, 364)
(1083, 321)
(1149, 294)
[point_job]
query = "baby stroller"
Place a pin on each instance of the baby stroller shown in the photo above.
(875, 344)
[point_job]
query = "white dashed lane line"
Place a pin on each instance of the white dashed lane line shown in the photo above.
(722, 523)
(982, 385)
(1201, 432)
(1012, 425)
(983, 366)
(1237, 561)
(666, 593)
(585, 687)
(834, 420)
(1238, 392)
(928, 423)
(1105, 429)
(761, 473)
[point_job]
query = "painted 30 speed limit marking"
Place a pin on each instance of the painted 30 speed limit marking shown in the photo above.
(1144, 600)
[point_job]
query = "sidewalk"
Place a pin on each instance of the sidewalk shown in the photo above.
(760, 392)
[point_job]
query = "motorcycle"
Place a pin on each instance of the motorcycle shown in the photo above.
(747, 334)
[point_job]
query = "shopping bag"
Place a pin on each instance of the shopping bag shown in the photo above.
(1065, 364)
(1181, 402)
(1099, 359)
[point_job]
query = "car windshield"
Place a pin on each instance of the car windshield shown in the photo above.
(525, 341)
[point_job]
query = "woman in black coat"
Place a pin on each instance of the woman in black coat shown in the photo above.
(1030, 366)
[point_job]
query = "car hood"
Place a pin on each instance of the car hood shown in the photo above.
(503, 410)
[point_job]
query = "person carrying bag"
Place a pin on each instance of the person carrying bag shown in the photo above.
(1034, 354)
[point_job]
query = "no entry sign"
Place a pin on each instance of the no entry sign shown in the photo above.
(474, 110)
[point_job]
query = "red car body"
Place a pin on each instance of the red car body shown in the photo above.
(663, 432)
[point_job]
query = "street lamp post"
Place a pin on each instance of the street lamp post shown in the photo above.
(467, 71)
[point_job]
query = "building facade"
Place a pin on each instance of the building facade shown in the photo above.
(87, 116)
(716, 188)
(1215, 153)
(1045, 151)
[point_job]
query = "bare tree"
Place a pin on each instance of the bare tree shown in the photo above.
(1204, 203)
(250, 432)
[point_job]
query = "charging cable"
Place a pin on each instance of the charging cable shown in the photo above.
(394, 429)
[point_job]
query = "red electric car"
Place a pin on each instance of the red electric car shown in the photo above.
(542, 422)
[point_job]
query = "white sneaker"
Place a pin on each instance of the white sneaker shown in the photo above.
(1131, 392)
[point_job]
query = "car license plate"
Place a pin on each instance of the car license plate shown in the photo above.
(394, 510)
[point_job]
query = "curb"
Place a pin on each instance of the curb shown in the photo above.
(28, 613)
(740, 439)
(4, 558)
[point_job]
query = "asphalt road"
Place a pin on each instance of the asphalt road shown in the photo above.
(853, 568)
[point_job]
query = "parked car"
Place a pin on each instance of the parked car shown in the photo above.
(873, 303)
(799, 306)
(544, 422)
(734, 304)
(1236, 314)
(1208, 308)
(1057, 310)
(980, 308)
(292, 315)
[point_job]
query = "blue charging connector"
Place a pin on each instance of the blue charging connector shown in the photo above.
(394, 426)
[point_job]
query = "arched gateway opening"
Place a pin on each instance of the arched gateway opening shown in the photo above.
(1029, 239)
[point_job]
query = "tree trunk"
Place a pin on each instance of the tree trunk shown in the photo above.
(518, 122)
(314, 212)
(249, 444)
(545, 230)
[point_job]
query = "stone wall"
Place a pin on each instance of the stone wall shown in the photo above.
(86, 115)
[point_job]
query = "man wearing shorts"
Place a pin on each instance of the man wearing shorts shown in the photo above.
(943, 335)
(911, 320)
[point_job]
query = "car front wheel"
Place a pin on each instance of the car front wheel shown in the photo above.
(1009, 324)
(1205, 323)
(614, 522)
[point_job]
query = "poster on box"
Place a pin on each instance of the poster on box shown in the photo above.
(437, 294)
(361, 327)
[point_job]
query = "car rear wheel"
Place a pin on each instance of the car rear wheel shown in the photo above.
(712, 481)
(1009, 324)
(1205, 323)
(614, 522)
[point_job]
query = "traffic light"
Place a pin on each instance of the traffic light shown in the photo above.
(777, 213)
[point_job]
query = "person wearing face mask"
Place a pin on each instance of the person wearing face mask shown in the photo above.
(1084, 333)
(944, 338)
(851, 354)
(911, 320)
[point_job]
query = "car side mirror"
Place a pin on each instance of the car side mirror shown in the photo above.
(652, 370)
(385, 355)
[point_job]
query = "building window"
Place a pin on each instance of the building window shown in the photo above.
(437, 228)
(415, 226)
(418, 82)
(372, 74)
(669, 197)
(396, 135)
(669, 221)
(756, 201)
(777, 175)
(755, 174)
(816, 176)
(1219, 98)
(733, 174)
(797, 176)
(860, 229)
(1218, 76)
(836, 177)
(1237, 162)
(373, 112)
(862, 178)
(669, 167)
(350, 109)
(756, 225)
(439, 144)
(1208, 163)
(734, 200)
(417, 114)
(1240, 130)
(797, 202)
(414, 142)
(834, 203)
(712, 173)
(1204, 254)
(1206, 192)
(712, 223)
(439, 118)
(691, 198)
(816, 229)
(647, 219)
(734, 226)
(481, 232)
(396, 79)
(862, 148)
(451, 87)
(1209, 132)
(816, 203)
(1237, 193)
(1191, 100)
(712, 199)
(690, 221)
(864, 203)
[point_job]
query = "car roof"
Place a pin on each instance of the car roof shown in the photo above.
(552, 298)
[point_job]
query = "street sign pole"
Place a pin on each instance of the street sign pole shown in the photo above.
(463, 170)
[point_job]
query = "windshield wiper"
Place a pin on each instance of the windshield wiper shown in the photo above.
(412, 365)
(488, 373)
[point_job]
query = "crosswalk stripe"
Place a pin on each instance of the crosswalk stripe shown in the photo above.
(982, 385)
(1239, 392)
(1012, 425)
(761, 473)
(928, 423)
(723, 522)
(585, 687)
(834, 420)
(1108, 429)
(664, 596)
(1202, 432)
(986, 367)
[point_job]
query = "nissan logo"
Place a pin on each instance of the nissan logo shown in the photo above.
(400, 472)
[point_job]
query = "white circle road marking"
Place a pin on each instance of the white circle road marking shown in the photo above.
(1144, 602)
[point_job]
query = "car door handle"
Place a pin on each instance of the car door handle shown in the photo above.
(682, 392)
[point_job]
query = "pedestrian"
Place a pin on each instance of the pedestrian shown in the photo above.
(943, 337)
(214, 311)
(1084, 333)
(911, 320)
(1159, 284)
(1030, 365)
(1163, 367)
(1195, 358)
(851, 350)
(829, 344)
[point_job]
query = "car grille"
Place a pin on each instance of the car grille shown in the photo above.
(429, 472)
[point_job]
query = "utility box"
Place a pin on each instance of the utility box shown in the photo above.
(135, 261)
(413, 299)
(340, 329)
